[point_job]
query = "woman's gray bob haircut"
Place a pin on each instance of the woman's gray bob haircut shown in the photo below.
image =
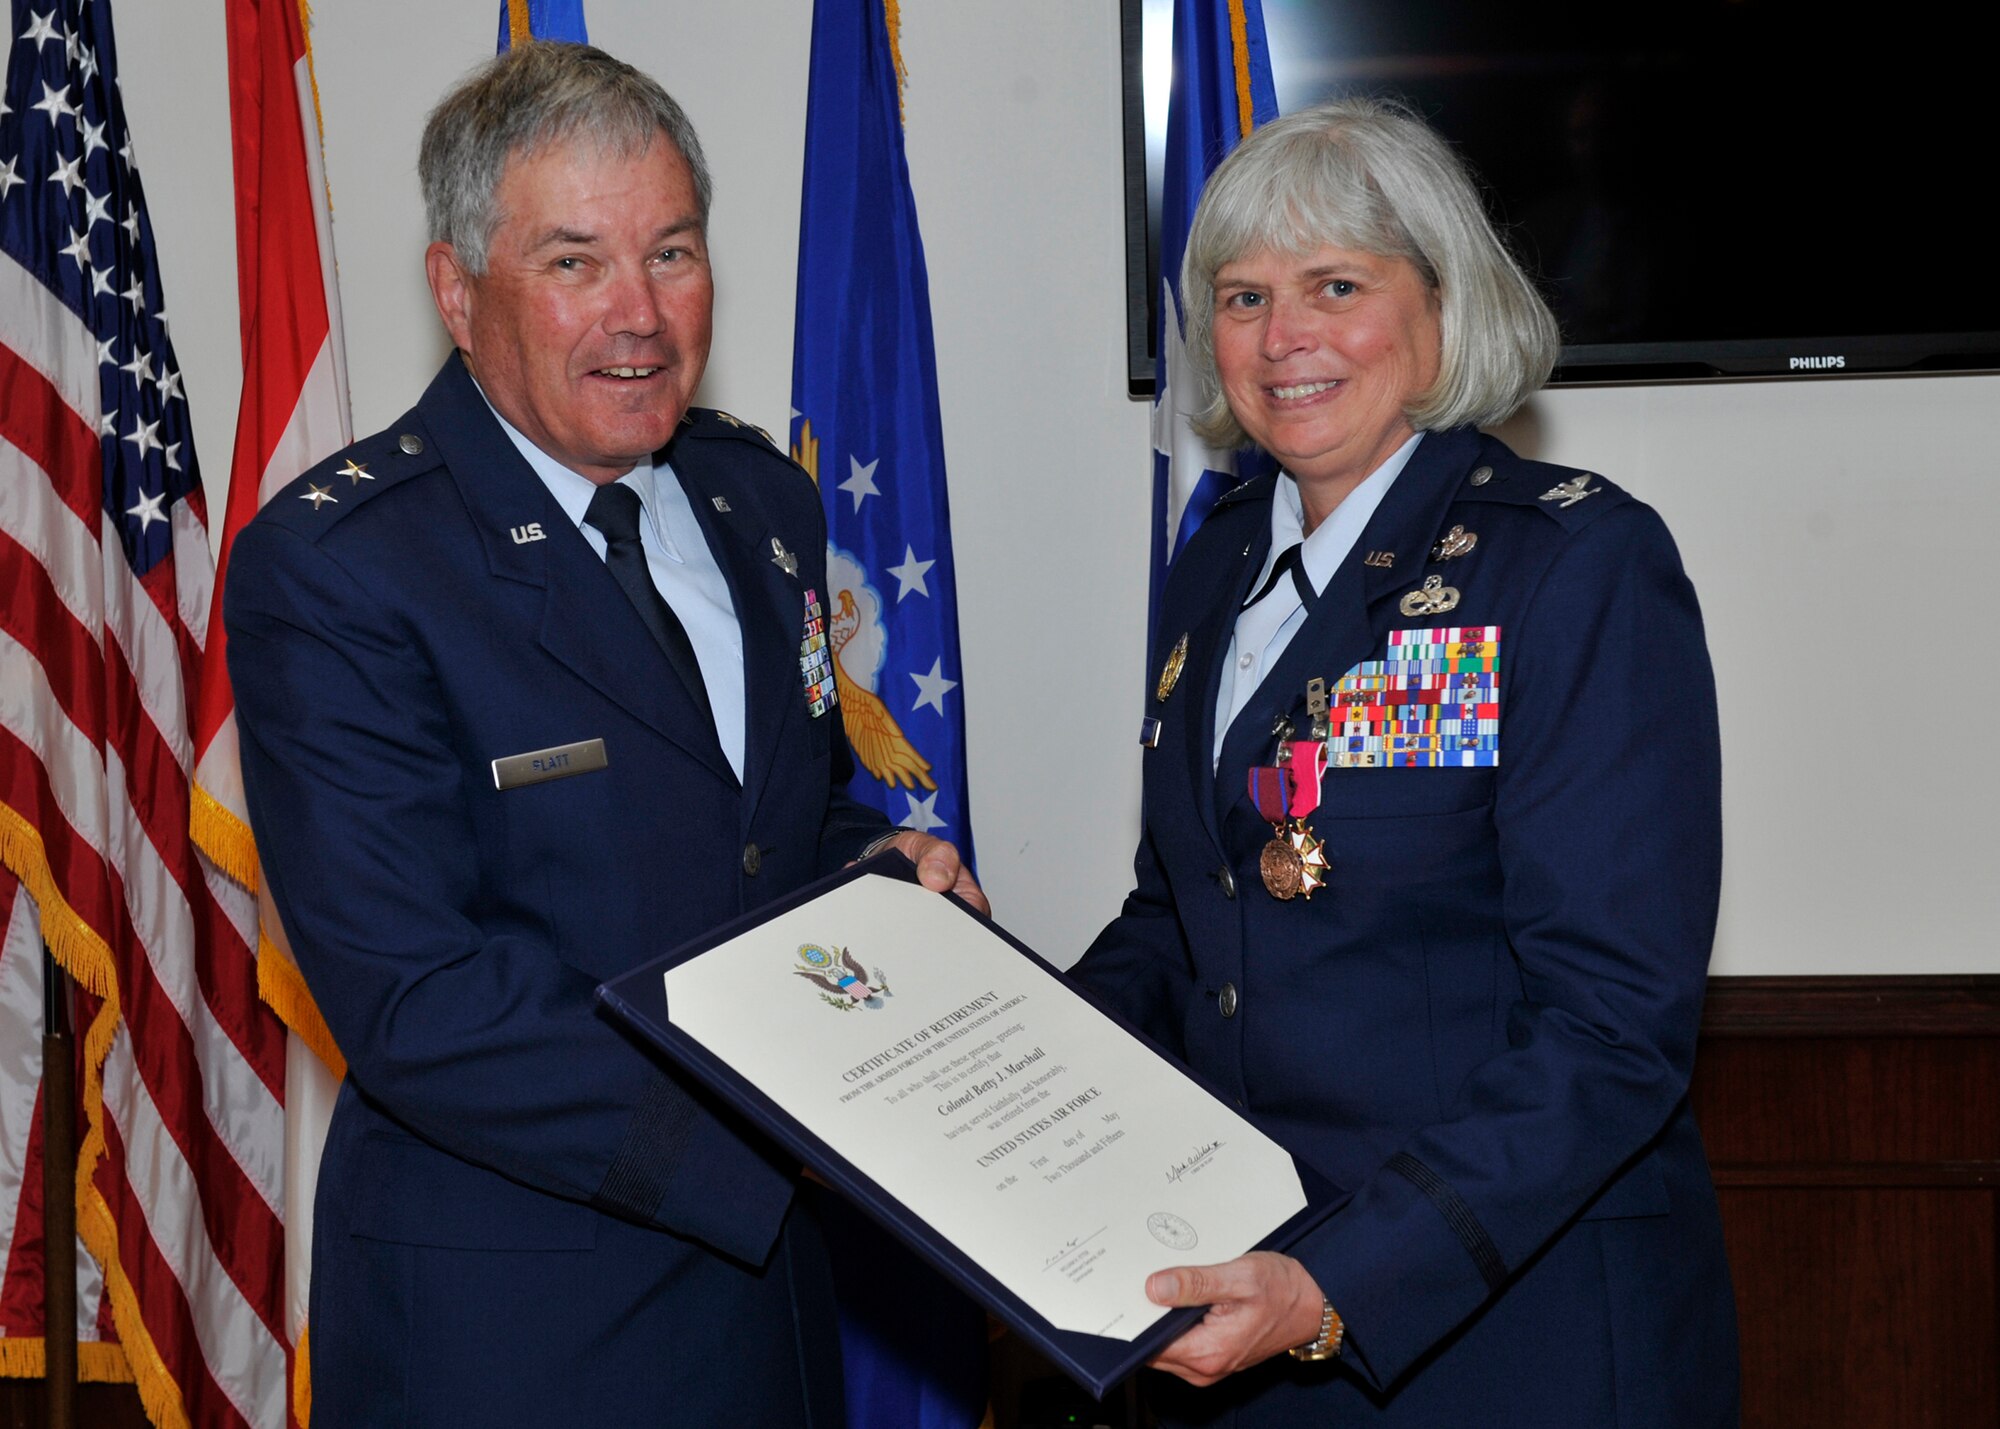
(1368, 175)
(537, 94)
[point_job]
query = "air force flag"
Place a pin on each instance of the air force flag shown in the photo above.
(1221, 91)
(865, 424)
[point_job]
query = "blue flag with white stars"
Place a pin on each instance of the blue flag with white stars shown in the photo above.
(865, 424)
(1222, 89)
(547, 20)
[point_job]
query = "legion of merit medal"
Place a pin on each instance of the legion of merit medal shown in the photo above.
(1293, 863)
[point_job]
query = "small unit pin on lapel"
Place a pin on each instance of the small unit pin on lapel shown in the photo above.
(1170, 672)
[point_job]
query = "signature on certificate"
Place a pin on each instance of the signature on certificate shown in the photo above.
(1069, 1248)
(1196, 1159)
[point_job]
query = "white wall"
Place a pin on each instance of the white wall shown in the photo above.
(1831, 526)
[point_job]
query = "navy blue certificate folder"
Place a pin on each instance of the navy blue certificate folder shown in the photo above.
(639, 1000)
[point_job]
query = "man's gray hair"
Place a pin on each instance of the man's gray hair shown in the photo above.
(534, 95)
(1368, 175)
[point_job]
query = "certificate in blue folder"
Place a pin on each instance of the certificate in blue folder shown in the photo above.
(1029, 1144)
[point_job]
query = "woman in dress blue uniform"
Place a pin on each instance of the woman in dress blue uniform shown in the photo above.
(1432, 842)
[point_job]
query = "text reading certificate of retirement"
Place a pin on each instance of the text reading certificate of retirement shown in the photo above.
(1063, 1156)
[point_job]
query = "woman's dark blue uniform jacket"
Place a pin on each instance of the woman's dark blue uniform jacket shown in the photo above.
(1484, 1024)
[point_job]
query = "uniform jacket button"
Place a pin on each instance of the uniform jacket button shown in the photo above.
(1225, 1001)
(1227, 880)
(753, 859)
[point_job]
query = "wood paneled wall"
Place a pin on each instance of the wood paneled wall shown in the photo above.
(1853, 1125)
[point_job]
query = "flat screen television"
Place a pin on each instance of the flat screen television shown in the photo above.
(1702, 188)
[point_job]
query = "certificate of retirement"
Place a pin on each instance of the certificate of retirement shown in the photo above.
(1063, 1156)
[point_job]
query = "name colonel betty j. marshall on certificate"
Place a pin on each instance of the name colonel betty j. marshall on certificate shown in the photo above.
(1040, 1139)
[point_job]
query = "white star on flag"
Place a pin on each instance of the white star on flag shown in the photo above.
(8, 178)
(69, 173)
(148, 510)
(57, 105)
(923, 813)
(145, 436)
(932, 688)
(862, 483)
(910, 575)
(41, 29)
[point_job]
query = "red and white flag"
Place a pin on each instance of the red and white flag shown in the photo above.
(294, 412)
(104, 559)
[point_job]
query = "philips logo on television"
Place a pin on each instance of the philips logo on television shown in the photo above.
(1817, 364)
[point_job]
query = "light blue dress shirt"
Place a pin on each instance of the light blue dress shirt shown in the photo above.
(1266, 628)
(683, 568)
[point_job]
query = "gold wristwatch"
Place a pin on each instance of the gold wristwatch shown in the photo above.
(1331, 1333)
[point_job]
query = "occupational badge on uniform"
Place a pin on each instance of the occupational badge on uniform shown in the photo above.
(1433, 703)
(1568, 493)
(783, 559)
(1293, 863)
(816, 661)
(1170, 673)
(1454, 543)
(1434, 598)
(840, 978)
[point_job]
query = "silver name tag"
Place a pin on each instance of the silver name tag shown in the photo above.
(540, 765)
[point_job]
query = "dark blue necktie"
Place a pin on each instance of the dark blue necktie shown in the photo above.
(1290, 562)
(614, 511)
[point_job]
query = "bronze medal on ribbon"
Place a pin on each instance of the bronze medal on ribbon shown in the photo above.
(1279, 864)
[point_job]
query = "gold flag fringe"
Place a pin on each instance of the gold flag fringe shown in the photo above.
(281, 985)
(226, 839)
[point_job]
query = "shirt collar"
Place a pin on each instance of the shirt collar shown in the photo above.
(1334, 537)
(572, 490)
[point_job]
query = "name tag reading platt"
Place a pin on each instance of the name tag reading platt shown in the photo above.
(540, 765)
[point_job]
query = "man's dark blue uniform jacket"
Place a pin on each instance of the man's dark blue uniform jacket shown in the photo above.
(522, 1218)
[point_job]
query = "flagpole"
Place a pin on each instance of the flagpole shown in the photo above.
(58, 1198)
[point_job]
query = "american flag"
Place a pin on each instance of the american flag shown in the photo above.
(104, 555)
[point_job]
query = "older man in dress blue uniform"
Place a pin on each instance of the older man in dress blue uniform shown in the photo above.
(522, 703)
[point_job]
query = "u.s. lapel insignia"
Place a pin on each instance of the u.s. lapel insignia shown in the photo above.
(356, 472)
(1568, 493)
(719, 504)
(1380, 560)
(1170, 673)
(783, 559)
(1434, 599)
(318, 496)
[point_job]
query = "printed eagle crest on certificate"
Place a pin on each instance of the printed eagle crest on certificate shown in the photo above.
(840, 977)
